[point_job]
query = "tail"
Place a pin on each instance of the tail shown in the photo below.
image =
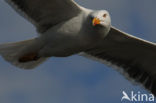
(22, 54)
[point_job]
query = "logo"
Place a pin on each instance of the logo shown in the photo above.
(137, 97)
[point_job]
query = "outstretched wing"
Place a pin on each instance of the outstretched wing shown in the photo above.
(136, 57)
(45, 13)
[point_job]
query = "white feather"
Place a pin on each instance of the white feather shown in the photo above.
(11, 52)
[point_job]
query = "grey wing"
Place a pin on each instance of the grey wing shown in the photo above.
(135, 57)
(45, 13)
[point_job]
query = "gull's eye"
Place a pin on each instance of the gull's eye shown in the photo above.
(104, 15)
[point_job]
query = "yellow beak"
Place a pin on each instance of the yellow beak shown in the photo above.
(96, 21)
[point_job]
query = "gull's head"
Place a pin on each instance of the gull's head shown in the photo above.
(101, 19)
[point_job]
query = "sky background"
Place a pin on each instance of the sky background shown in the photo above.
(73, 79)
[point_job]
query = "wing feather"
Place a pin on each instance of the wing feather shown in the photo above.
(134, 57)
(45, 13)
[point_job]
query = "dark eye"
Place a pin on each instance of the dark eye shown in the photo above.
(104, 15)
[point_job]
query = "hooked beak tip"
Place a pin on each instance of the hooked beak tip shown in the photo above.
(95, 21)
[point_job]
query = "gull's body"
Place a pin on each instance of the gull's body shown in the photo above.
(65, 39)
(66, 28)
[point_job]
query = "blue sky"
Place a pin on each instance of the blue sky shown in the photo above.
(73, 79)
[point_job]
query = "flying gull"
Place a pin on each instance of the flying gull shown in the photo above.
(66, 28)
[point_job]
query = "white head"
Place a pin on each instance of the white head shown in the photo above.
(101, 19)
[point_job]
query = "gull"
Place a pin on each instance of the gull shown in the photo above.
(66, 28)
